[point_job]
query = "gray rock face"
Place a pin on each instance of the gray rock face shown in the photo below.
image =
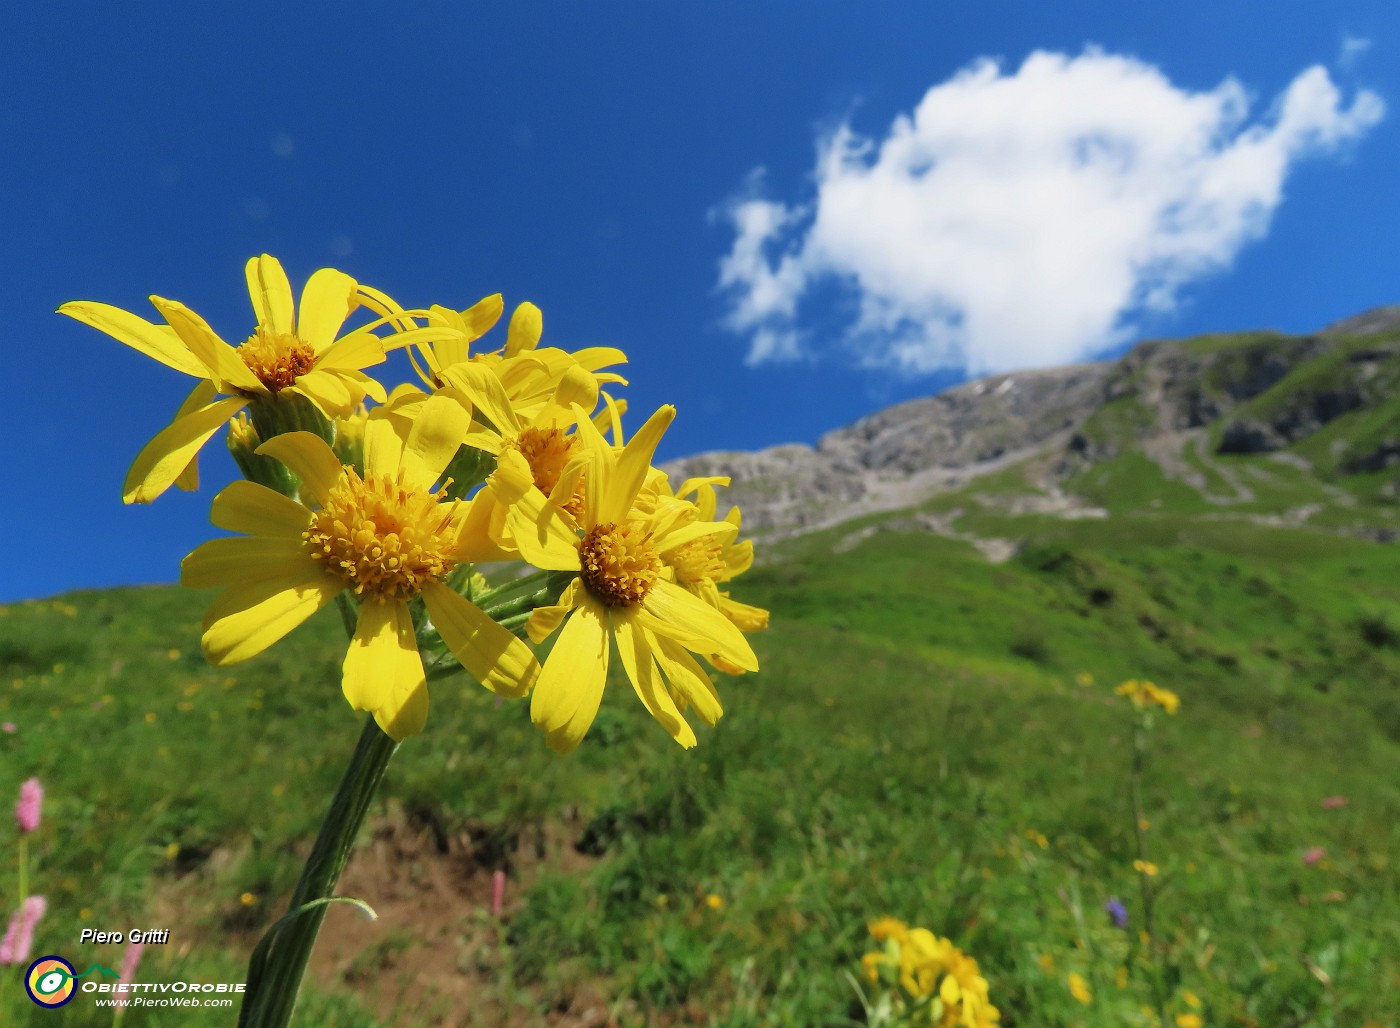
(909, 453)
(905, 454)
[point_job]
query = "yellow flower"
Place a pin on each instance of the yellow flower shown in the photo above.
(925, 966)
(289, 352)
(714, 902)
(384, 537)
(1143, 694)
(887, 928)
(703, 564)
(1189, 1021)
(1145, 867)
(527, 372)
(1191, 999)
(1079, 988)
(621, 594)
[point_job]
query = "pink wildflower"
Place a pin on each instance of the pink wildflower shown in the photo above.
(130, 959)
(31, 799)
(1333, 802)
(9, 728)
(20, 935)
(1313, 855)
(498, 892)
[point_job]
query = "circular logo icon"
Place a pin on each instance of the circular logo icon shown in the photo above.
(49, 981)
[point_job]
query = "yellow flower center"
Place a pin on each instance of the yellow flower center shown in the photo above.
(699, 560)
(382, 537)
(547, 451)
(618, 563)
(277, 360)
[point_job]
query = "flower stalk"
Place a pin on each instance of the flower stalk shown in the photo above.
(278, 964)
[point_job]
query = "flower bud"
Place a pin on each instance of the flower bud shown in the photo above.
(31, 800)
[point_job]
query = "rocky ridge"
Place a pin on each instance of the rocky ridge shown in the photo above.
(1250, 393)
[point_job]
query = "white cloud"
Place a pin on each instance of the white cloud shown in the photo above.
(1351, 50)
(1020, 220)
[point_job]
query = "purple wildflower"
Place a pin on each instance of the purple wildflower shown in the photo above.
(1117, 911)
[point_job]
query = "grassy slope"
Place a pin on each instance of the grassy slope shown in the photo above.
(916, 723)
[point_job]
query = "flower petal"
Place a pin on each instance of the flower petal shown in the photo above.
(490, 654)
(271, 294)
(361, 385)
(165, 458)
(247, 618)
(241, 558)
(310, 459)
(537, 528)
(632, 465)
(225, 366)
(202, 394)
(158, 342)
(327, 391)
(545, 621)
(481, 317)
(594, 357)
(526, 327)
(687, 678)
(383, 672)
(255, 509)
(670, 611)
(487, 394)
(635, 650)
(570, 686)
(326, 301)
(355, 351)
(433, 440)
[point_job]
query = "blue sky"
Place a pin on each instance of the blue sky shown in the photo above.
(601, 160)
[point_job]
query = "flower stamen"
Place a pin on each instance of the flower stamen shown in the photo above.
(277, 360)
(618, 564)
(383, 538)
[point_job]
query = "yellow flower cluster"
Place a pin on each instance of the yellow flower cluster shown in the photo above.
(1145, 694)
(493, 454)
(940, 983)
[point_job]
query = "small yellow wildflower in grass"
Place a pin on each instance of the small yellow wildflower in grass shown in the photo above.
(385, 538)
(1146, 694)
(1079, 988)
(1191, 999)
(290, 351)
(929, 970)
(1189, 1021)
(622, 593)
(714, 902)
(1145, 867)
(247, 899)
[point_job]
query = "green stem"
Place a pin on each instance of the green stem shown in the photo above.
(1144, 880)
(276, 970)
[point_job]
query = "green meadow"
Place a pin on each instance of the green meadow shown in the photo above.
(932, 737)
